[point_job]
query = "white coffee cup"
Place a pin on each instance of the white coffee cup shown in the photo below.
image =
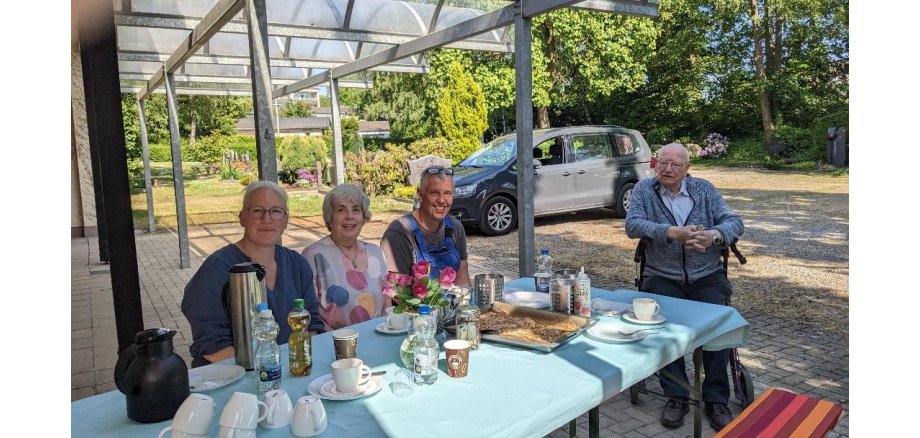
(309, 417)
(193, 418)
(280, 409)
(242, 412)
(645, 309)
(396, 321)
(349, 374)
(232, 432)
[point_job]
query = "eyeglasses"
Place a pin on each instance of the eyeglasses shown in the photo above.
(275, 213)
(438, 169)
(666, 164)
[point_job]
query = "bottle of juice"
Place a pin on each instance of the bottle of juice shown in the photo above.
(300, 358)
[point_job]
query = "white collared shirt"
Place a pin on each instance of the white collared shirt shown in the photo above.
(680, 204)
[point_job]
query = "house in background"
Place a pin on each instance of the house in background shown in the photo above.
(313, 126)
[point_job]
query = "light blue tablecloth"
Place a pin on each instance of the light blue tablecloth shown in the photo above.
(509, 392)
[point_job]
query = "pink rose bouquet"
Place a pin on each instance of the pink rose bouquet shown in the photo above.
(411, 291)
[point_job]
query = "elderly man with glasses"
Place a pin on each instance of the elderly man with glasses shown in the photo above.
(429, 233)
(264, 218)
(686, 224)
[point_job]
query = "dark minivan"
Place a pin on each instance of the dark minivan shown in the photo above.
(575, 168)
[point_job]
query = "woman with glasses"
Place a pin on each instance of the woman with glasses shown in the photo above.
(349, 272)
(287, 276)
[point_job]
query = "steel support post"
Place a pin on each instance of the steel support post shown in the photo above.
(261, 90)
(145, 153)
(337, 154)
(96, 28)
(698, 392)
(178, 179)
(523, 101)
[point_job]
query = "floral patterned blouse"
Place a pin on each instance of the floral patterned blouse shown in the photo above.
(347, 295)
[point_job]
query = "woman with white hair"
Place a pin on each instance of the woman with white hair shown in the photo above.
(264, 217)
(349, 272)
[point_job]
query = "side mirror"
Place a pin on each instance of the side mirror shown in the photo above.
(537, 164)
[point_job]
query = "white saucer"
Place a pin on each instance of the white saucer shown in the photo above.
(610, 332)
(324, 388)
(213, 376)
(536, 300)
(631, 317)
(382, 328)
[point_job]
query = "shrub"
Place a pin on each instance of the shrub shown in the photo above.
(208, 149)
(245, 179)
(160, 152)
(714, 146)
(693, 149)
(301, 152)
(230, 172)
(406, 192)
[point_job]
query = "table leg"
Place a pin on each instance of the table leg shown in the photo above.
(594, 419)
(572, 430)
(698, 387)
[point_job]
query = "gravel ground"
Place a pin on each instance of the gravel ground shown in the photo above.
(796, 241)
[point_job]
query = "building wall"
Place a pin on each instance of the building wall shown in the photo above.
(84, 205)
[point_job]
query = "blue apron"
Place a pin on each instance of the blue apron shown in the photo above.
(440, 256)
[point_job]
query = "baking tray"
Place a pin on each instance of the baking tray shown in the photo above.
(521, 311)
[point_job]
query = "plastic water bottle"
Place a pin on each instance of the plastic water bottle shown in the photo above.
(544, 272)
(300, 357)
(426, 353)
(582, 304)
(268, 355)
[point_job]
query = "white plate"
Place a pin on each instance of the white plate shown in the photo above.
(536, 300)
(609, 308)
(610, 332)
(382, 328)
(631, 317)
(324, 387)
(213, 376)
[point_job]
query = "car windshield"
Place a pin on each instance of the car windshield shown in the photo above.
(495, 153)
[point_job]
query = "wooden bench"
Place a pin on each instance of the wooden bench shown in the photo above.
(780, 413)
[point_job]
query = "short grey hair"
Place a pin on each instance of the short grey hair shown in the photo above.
(258, 185)
(426, 176)
(678, 147)
(345, 192)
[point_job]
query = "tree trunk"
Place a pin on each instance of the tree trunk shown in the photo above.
(193, 131)
(766, 111)
(542, 117)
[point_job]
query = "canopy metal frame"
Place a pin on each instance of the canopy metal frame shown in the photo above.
(178, 72)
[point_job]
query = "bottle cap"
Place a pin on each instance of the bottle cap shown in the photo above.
(261, 306)
(544, 251)
(298, 303)
(424, 309)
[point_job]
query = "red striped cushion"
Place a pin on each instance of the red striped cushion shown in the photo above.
(780, 413)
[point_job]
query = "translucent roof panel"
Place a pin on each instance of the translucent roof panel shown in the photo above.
(305, 36)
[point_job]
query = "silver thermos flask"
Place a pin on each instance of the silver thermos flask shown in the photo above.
(247, 290)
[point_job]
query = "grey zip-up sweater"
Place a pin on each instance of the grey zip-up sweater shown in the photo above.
(648, 216)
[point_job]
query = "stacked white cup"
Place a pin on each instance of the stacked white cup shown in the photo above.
(193, 418)
(240, 416)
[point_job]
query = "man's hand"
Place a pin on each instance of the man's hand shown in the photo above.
(681, 234)
(699, 240)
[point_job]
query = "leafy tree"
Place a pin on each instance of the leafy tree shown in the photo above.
(301, 152)
(297, 108)
(462, 115)
(210, 114)
(351, 140)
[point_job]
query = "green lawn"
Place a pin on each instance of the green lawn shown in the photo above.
(209, 200)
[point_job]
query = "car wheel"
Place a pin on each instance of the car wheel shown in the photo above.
(499, 216)
(622, 204)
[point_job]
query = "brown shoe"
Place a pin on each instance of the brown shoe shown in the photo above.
(719, 415)
(673, 413)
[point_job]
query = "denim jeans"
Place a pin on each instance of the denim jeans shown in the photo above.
(715, 289)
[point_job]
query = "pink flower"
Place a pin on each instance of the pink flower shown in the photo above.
(391, 279)
(421, 269)
(447, 277)
(389, 290)
(404, 280)
(419, 290)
